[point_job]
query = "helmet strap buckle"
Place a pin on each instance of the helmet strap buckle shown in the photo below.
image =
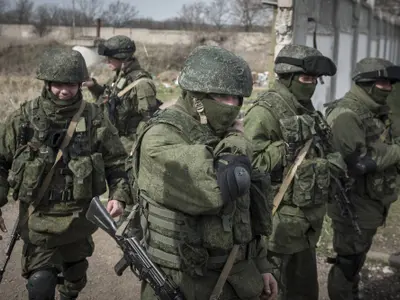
(200, 110)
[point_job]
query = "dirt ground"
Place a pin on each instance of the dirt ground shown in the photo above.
(380, 282)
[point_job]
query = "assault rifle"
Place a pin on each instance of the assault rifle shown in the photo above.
(10, 247)
(134, 254)
(345, 205)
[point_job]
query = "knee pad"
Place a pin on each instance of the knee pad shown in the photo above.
(350, 265)
(42, 284)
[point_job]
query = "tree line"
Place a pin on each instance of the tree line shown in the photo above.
(244, 15)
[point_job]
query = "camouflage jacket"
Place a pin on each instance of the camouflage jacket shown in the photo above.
(136, 105)
(29, 142)
(177, 183)
(278, 127)
(360, 125)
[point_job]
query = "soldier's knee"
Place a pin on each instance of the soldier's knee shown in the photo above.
(350, 265)
(41, 284)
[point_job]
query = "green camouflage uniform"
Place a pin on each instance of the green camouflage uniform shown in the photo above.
(193, 175)
(362, 133)
(279, 123)
(137, 105)
(57, 236)
(393, 101)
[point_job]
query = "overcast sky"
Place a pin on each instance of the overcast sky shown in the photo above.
(156, 9)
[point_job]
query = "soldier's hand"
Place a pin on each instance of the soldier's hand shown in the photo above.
(3, 227)
(115, 208)
(89, 83)
(270, 291)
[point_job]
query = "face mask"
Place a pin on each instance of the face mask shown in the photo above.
(379, 95)
(220, 116)
(302, 91)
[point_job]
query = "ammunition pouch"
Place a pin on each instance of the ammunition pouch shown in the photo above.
(381, 186)
(26, 174)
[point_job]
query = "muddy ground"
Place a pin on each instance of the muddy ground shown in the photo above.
(380, 281)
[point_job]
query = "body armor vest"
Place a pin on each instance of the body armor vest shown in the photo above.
(379, 186)
(194, 244)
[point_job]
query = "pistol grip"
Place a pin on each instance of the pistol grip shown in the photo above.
(121, 266)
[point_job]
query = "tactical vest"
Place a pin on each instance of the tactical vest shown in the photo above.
(380, 186)
(310, 186)
(124, 114)
(195, 244)
(78, 177)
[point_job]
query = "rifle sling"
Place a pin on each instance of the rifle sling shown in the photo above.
(49, 176)
(290, 175)
(225, 273)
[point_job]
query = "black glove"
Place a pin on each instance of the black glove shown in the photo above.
(233, 176)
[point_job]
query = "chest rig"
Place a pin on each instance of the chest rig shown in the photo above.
(380, 185)
(39, 139)
(123, 113)
(312, 179)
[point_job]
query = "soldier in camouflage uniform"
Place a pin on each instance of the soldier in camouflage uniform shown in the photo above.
(194, 176)
(137, 104)
(57, 236)
(362, 133)
(279, 124)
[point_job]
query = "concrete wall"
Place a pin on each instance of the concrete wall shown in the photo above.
(147, 36)
(347, 31)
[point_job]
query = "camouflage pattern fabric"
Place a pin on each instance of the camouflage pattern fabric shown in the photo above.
(358, 129)
(351, 249)
(60, 65)
(214, 70)
(70, 260)
(278, 125)
(294, 51)
(296, 274)
(369, 64)
(188, 229)
(118, 47)
(29, 141)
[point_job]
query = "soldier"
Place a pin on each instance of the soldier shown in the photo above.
(193, 172)
(281, 125)
(56, 153)
(361, 132)
(129, 97)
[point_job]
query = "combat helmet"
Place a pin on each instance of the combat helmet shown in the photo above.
(371, 68)
(303, 59)
(215, 70)
(62, 65)
(118, 47)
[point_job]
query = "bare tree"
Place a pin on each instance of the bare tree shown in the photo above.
(91, 9)
(44, 18)
(217, 13)
(4, 6)
(248, 13)
(23, 11)
(119, 13)
(192, 15)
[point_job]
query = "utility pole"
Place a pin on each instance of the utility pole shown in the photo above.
(73, 20)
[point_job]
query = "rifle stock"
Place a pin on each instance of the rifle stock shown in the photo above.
(134, 255)
(10, 247)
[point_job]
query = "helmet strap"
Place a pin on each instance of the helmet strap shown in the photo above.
(200, 110)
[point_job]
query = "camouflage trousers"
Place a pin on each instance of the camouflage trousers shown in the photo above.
(70, 260)
(237, 287)
(351, 250)
(296, 274)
